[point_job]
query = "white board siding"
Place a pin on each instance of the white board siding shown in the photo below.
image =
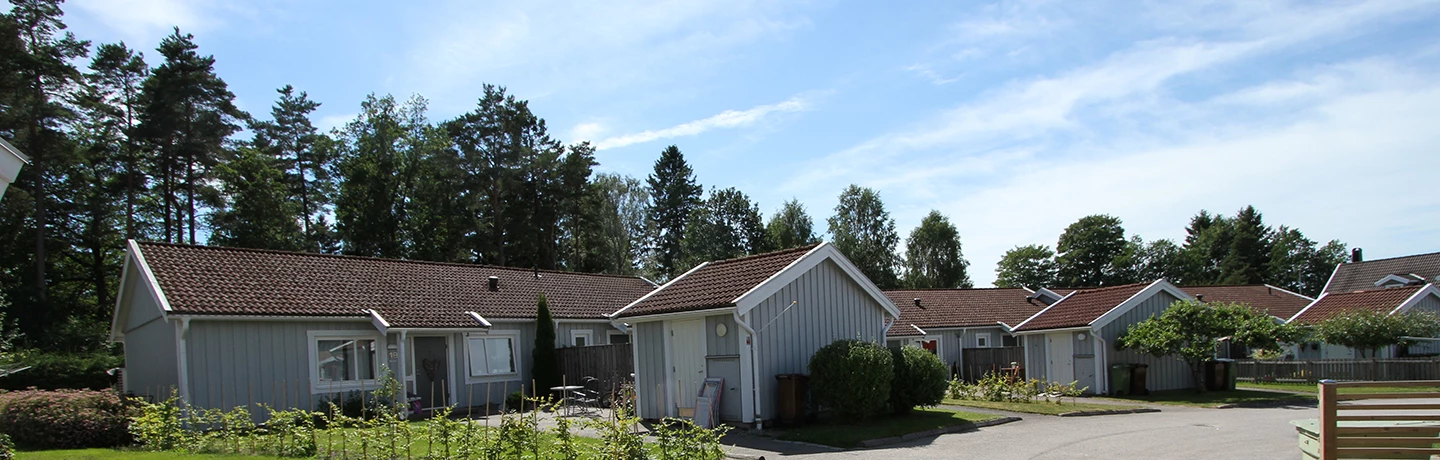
(830, 306)
(235, 362)
(476, 394)
(149, 343)
(1431, 304)
(1168, 373)
(650, 368)
(598, 332)
(1035, 357)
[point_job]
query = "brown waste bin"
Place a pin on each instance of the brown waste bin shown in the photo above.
(1137, 379)
(790, 397)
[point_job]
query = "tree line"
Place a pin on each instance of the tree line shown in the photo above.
(155, 149)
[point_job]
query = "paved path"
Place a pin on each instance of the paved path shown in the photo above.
(1175, 433)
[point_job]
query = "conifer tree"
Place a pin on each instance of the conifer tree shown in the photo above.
(674, 194)
(546, 363)
(255, 208)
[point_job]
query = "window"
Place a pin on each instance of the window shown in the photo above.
(1009, 341)
(982, 340)
(619, 337)
(579, 338)
(341, 360)
(492, 355)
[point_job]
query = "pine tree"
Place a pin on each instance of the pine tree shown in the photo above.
(674, 194)
(864, 232)
(791, 227)
(115, 79)
(189, 114)
(1030, 266)
(545, 362)
(1247, 260)
(933, 258)
(293, 140)
(369, 208)
(614, 240)
(1087, 251)
(256, 210)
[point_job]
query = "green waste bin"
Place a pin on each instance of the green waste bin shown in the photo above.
(1230, 370)
(1119, 379)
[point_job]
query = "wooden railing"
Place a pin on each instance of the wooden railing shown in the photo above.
(1350, 428)
(1340, 370)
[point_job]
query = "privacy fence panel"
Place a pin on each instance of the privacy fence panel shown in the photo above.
(979, 361)
(1340, 370)
(613, 365)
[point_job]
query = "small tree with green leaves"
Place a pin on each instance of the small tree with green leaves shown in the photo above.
(546, 364)
(1190, 330)
(1373, 330)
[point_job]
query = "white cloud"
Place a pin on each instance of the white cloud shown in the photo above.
(141, 19)
(726, 119)
(588, 131)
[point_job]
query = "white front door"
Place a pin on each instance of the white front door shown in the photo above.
(687, 356)
(1061, 357)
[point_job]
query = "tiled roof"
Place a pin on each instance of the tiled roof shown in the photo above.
(941, 308)
(227, 281)
(1356, 276)
(1377, 299)
(716, 285)
(1268, 299)
(1081, 307)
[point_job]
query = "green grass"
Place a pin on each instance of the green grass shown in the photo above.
(1217, 398)
(1038, 407)
(1312, 388)
(113, 454)
(850, 434)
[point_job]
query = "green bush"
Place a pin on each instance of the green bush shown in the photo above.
(54, 371)
(7, 448)
(64, 419)
(852, 378)
(919, 379)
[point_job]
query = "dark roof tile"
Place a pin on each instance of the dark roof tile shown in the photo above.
(1356, 276)
(1376, 299)
(715, 285)
(1082, 307)
(1268, 299)
(944, 308)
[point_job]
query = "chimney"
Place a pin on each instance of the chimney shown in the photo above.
(1356, 255)
(917, 303)
(1199, 297)
(494, 283)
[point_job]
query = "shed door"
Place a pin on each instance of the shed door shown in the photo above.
(1061, 366)
(687, 356)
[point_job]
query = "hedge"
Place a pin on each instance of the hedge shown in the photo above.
(64, 419)
(54, 371)
(920, 379)
(852, 378)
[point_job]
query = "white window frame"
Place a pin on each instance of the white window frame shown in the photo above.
(610, 337)
(989, 340)
(514, 337)
(589, 336)
(312, 341)
(939, 344)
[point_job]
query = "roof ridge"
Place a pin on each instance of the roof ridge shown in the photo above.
(1112, 288)
(1221, 285)
(952, 289)
(1391, 258)
(806, 248)
(1381, 289)
(380, 259)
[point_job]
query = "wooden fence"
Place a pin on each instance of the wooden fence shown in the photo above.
(1346, 370)
(613, 365)
(979, 361)
(1370, 425)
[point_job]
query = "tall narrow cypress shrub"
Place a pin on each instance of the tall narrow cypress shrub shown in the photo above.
(546, 364)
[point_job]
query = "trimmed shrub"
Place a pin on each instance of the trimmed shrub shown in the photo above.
(852, 378)
(7, 448)
(919, 379)
(54, 371)
(64, 419)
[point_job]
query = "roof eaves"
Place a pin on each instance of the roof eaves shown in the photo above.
(1307, 307)
(1414, 298)
(656, 290)
(1043, 310)
(1287, 291)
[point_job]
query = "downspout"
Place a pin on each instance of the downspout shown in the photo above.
(754, 376)
(182, 331)
(1104, 364)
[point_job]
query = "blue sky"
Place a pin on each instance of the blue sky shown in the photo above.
(1012, 118)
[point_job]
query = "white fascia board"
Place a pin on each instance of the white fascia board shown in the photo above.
(1047, 308)
(918, 329)
(1307, 307)
(1287, 291)
(679, 315)
(661, 288)
(1331, 279)
(117, 333)
(1414, 299)
(361, 317)
(480, 319)
(825, 251)
(1156, 287)
(379, 322)
(149, 277)
(1049, 331)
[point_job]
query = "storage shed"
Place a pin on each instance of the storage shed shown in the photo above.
(747, 320)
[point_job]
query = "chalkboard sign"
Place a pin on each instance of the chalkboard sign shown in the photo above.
(707, 404)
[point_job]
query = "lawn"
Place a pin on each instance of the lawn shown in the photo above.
(1039, 407)
(851, 434)
(1217, 398)
(1313, 388)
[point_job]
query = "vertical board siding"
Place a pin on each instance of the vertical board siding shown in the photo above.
(241, 362)
(650, 368)
(150, 359)
(493, 391)
(831, 306)
(598, 332)
(1168, 373)
(728, 368)
(721, 346)
(1036, 358)
(1431, 304)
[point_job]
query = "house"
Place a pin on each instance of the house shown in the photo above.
(747, 320)
(1359, 274)
(1074, 338)
(1390, 300)
(224, 327)
(10, 162)
(948, 322)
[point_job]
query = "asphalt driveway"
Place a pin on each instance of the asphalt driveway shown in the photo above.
(1173, 433)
